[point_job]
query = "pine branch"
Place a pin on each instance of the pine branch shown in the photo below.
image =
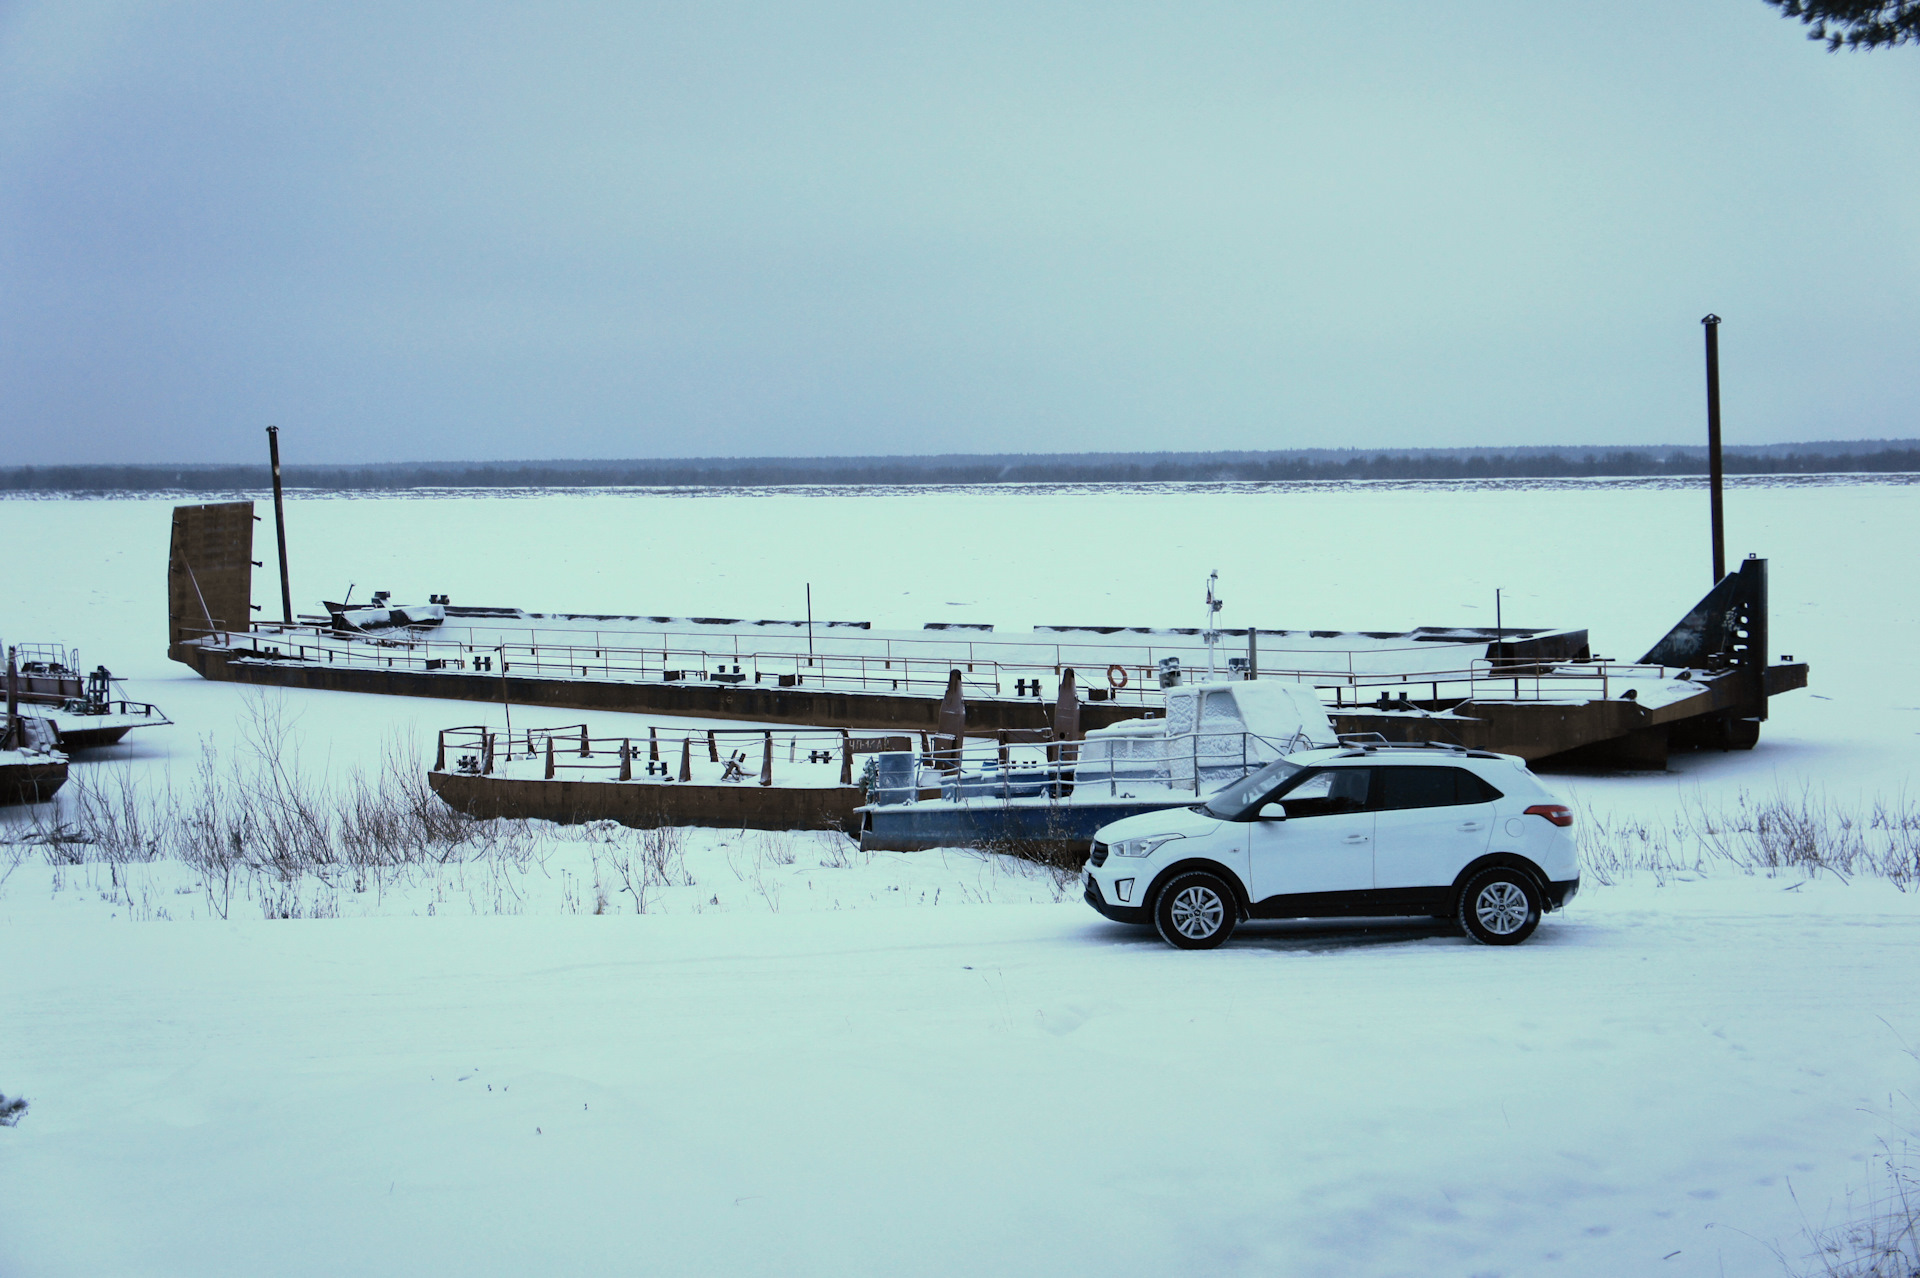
(1855, 24)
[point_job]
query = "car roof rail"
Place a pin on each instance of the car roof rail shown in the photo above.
(1374, 743)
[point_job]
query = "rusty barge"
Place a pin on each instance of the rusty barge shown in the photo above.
(1539, 694)
(713, 777)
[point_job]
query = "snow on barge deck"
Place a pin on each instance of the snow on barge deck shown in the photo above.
(1540, 694)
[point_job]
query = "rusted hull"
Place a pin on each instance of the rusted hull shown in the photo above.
(31, 782)
(648, 804)
(748, 702)
(1056, 832)
(91, 738)
(1725, 715)
(1533, 730)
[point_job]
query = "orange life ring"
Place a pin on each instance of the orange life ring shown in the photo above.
(1117, 676)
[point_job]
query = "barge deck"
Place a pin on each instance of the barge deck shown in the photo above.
(1536, 693)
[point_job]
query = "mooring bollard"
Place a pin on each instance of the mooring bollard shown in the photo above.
(626, 760)
(846, 758)
(549, 758)
(584, 752)
(486, 753)
(766, 761)
(440, 753)
(653, 748)
(686, 758)
(713, 747)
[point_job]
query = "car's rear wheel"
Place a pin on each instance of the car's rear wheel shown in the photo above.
(1196, 911)
(1500, 907)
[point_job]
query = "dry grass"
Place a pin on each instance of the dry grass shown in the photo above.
(256, 816)
(1880, 1236)
(646, 859)
(1804, 831)
(776, 846)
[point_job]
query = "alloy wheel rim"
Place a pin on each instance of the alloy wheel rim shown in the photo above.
(1197, 912)
(1502, 908)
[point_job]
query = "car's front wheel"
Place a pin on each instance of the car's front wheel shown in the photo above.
(1500, 907)
(1196, 911)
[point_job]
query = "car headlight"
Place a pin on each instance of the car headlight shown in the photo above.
(1144, 847)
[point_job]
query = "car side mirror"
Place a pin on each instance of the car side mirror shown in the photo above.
(1273, 812)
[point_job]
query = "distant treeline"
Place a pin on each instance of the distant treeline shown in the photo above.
(1872, 457)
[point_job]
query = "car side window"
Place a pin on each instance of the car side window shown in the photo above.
(1469, 788)
(1426, 787)
(1326, 793)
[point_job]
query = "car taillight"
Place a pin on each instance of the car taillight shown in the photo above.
(1558, 813)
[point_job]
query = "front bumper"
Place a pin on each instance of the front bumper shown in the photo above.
(1118, 913)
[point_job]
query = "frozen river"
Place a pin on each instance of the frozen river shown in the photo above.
(797, 1061)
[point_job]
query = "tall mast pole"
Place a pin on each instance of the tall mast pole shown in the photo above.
(280, 525)
(13, 735)
(1714, 475)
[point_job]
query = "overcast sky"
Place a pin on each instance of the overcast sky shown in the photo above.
(417, 232)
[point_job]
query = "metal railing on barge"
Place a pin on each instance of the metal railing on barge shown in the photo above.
(983, 676)
(481, 750)
(1199, 761)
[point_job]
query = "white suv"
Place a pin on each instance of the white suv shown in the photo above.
(1356, 831)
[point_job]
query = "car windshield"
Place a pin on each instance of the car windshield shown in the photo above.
(1231, 802)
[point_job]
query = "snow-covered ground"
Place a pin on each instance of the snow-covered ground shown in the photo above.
(1014, 1089)
(768, 1072)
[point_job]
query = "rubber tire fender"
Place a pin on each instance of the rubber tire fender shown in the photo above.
(1469, 917)
(1202, 882)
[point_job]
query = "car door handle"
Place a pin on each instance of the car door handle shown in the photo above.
(1356, 838)
(1471, 825)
